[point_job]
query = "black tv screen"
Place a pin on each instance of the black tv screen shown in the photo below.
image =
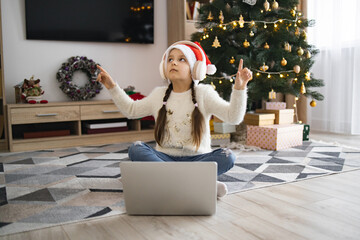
(129, 21)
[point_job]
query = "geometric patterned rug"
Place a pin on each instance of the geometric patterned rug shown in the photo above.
(40, 189)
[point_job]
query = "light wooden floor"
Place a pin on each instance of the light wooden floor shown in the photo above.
(320, 208)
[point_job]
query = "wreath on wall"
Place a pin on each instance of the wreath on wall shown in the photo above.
(66, 72)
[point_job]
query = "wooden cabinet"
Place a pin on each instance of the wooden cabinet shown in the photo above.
(24, 115)
(54, 119)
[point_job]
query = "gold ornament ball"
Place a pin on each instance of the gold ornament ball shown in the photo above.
(266, 5)
(283, 62)
(300, 51)
(275, 5)
(308, 54)
(232, 60)
(304, 35)
(264, 67)
(287, 47)
(266, 46)
(246, 43)
(313, 103)
(296, 68)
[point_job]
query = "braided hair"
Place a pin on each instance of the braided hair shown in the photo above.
(197, 119)
(161, 119)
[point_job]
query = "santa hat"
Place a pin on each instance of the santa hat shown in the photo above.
(193, 54)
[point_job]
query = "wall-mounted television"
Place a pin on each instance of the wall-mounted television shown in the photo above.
(130, 21)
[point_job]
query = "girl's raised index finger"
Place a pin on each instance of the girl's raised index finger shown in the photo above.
(98, 66)
(240, 65)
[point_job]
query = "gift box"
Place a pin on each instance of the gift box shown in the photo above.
(218, 139)
(275, 137)
(211, 124)
(259, 119)
(275, 105)
(282, 116)
(306, 132)
(221, 127)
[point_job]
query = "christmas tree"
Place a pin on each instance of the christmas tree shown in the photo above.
(269, 36)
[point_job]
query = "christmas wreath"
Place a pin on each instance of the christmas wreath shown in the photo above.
(65, 74)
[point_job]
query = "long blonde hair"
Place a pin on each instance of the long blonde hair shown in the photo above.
(197, 119)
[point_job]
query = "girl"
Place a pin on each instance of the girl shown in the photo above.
(183, 109)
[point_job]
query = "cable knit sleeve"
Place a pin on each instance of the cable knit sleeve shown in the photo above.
(231, 112)
(139, 108)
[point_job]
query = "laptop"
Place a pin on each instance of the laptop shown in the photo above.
(169, 188)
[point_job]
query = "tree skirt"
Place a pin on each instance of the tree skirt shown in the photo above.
(46, 188)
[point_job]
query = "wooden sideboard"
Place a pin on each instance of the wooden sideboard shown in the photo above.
(72, 118)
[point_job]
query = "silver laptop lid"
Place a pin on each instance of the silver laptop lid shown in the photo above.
(169, 188)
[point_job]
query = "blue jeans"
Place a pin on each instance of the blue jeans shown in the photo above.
(142, 152)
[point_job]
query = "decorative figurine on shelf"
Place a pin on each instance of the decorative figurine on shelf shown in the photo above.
(32, 92)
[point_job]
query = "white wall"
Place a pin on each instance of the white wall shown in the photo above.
(129, 64)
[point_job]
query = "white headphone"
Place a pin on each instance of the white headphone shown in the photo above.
(199, 69)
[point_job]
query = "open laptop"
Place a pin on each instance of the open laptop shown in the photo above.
(169, 188)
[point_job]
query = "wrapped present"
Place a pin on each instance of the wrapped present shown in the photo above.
(275, 105)
(211, 124)
(218, 139)
(221, 127)
(282, 116)
(275, 137)
(259, 119)
(306, 132)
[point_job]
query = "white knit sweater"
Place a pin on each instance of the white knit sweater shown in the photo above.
(178, 139)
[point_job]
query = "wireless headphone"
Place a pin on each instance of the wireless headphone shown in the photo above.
(199, 70)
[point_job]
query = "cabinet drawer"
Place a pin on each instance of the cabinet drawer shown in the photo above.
(44, 114)
(92, 112)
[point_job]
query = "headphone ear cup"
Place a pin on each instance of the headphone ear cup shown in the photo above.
(162, 69)
(199, 70)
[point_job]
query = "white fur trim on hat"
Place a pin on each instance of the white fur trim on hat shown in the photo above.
(189, 54)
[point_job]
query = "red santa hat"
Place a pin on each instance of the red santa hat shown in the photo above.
(194, 53)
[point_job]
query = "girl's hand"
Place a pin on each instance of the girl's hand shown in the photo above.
(105, 78)
(243, 76)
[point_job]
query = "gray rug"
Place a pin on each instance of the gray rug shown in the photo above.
(46, 188)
